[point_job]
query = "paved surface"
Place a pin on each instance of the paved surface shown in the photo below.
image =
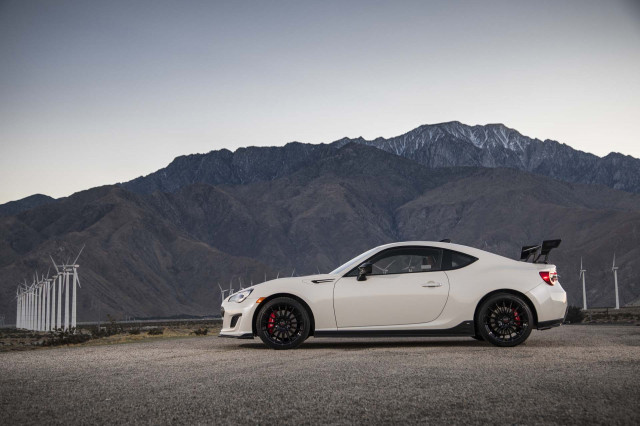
(569, 375)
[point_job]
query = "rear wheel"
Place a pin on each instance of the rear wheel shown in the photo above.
(283, 323)
(504, 320)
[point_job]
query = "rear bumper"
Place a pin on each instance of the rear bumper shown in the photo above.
(550, 303)
(545, 325)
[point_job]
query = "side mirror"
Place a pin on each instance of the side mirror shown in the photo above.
(364, 270)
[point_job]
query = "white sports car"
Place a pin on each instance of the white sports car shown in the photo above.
(406, 289)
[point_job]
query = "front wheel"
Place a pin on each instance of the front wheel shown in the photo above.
(283, 323)
(504, 320)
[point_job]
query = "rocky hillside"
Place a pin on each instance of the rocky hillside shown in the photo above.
(162, 253)
(30, 202)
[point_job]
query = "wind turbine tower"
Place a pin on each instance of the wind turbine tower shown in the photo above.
(47, 304)
(584, 288)
(18, 307)
(52, 319)
(614, 268)
(38, 304)
(66, 298)
(59, 310)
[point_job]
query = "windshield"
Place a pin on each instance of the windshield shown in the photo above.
(353, 262)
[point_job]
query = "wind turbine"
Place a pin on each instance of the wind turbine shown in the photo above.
(34, 305)
(76, 285)
(47, 304)
(67, 273)
(52, 300)
(222, 290)
(59, 309)
(614, 268)
(38, 302)
(584, 291)
(18, 313)
(25, 305)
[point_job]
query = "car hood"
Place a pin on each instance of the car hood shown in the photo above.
(308, 279)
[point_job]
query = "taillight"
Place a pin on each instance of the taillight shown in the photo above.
(549, 277)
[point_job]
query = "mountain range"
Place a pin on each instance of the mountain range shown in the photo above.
(435, 146)
(159, 245)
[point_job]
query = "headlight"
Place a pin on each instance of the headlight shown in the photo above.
(240, 296)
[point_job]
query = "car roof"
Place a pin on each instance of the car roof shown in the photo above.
(451, 246)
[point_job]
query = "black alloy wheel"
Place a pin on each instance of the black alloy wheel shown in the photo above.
(283, 323)
(504, 320)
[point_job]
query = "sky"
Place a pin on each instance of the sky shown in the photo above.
(99, 92)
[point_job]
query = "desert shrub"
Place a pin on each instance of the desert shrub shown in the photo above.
(99, 332)
(61, 337)
(134, 331)
(201, 331)
(155, 331)
(574, 315)
(112, 326)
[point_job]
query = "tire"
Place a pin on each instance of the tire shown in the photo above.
(283, 323)
(504, 320)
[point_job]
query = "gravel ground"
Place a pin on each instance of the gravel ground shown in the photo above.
(568, 375)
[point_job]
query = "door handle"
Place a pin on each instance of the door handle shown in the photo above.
(432, 284)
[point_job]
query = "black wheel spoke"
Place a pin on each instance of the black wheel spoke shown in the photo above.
(283, 324)
(506, 320)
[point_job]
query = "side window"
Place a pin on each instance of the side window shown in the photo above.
(456, 260)
(407, 260)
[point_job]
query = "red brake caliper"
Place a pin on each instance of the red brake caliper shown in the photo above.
(517, 317)
(271, 323)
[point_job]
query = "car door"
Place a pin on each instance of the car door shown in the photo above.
(406, 286)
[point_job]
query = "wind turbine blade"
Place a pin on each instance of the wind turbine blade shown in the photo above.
(614, 260)
(79, 253)
(54, 264)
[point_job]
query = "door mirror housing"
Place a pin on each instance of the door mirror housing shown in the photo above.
(364, 270)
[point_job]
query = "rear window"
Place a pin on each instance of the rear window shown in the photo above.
(456, 260)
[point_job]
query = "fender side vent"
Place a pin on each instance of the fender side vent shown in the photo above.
(234, 320)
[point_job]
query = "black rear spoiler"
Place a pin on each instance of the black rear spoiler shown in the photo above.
(537, 252)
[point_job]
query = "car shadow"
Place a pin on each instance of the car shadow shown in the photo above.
(312, 344)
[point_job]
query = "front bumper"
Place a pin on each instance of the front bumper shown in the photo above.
(237, 318)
